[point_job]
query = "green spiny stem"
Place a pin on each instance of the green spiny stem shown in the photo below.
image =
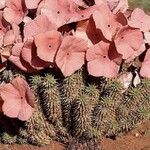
(81, 117)
(71, 88)
(6, 76)
(104, 116)
(50, 99)
(99, 82)
(8, 139)
(39, 130)
(22, 136)
(93, 93)
(35, 81)
(136, 106)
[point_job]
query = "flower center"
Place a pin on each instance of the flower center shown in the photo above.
(58, 12)
(68, 53)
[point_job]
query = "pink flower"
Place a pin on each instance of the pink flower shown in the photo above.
(79, 2)
(2, 4)
(62, 12)
(129, 42)
(86, 30)
(18, 99)
(29, 55)
(139, 20)
(5, 53)
(24, 56)
(79, 15)
(99, 61)
(12, 35)
(57, 11)
(117, 5)
(145, 69)
(114, 5)
(107, 22)
(93, 33)
(17, 60)
(36, 26)
(14, 11)
(71, 55)
(3, 28)
(32, 4)
(147, 37)
(47, 45)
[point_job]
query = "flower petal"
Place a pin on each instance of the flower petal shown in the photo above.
(70, 56)
(15, 100)
(128, 42)
(106, 22)
(47, 45)
(145, 71)
(32, 4)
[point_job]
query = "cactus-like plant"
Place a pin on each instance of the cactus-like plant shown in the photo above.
(78, 111)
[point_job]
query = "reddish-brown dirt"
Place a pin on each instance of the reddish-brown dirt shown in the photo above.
(138, 139)
(51, 146)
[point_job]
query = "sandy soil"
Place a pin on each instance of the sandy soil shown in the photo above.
(138, 139)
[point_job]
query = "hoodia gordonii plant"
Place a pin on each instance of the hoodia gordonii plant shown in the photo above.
(70, 74)
(77, 112)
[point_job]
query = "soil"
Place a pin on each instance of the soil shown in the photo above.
(137, 139)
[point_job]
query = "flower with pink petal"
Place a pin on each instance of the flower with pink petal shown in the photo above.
(145, 68)
(129, 42)
(18, 99)
(47, 45)
(107, 22)
(86, 30)
(3, 28)
(79, 15)
(36, 26)
(12, 35)
(99, 62)
(80, 3)
(32, 4)
(71, 55)
(29, 55)
(62, 12)
(139, 20)
(147, 37)
(57, 11)
(117, 5)
(2, 4)
(5, 53)
(16, 59)
(14, 11)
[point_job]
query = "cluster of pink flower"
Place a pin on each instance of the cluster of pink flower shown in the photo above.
(41, 35)
(105, 34)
